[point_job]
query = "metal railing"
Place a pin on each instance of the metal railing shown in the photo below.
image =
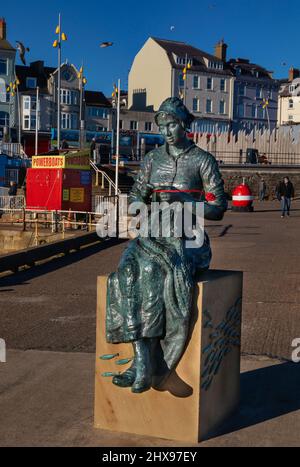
(104, 178)
(263, 159)
(12, 149)
(11, 203)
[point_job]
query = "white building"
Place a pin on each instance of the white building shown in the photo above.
(289, 100)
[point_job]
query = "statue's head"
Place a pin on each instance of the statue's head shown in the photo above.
(173, 120)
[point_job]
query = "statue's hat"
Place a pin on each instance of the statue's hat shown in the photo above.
(175, 107)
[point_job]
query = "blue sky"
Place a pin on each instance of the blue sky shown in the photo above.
(266, 31)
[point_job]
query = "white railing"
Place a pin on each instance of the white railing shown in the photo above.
(12, 149)
(4, 191)
(104, 177)
(11, 203)
(103, 203)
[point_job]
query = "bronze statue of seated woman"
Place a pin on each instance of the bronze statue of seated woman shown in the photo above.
(149, 296)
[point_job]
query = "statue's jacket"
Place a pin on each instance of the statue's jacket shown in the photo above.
(150, 294)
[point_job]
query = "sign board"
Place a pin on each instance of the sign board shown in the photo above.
(66, 194)
(69, 161)
(77, 195)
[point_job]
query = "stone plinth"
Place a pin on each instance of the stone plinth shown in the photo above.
(203, 390)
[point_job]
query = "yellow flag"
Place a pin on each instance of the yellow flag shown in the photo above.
(189, 65)
(12, 94)
(63, 36)
(184, 77)
(81, 69)
(57, 30)
(55, 43)
(17, 82)
(84, 80)
(184, 70)
(7, 89)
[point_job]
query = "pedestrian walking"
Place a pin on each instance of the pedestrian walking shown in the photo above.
(262, 188)
(285, 192)
(12, 193)
(93, 150)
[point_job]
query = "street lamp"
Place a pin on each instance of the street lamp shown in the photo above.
(117, 93)
(57, 44)
(82, 83)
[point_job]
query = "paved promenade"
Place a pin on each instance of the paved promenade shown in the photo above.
(46, 397)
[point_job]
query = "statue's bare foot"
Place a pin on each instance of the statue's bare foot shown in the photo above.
(143, 378)
(126, 379)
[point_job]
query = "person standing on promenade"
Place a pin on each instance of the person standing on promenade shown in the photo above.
(286, 194)
(262, 187)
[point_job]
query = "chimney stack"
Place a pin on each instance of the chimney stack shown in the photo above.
(2, 28)
(220, 50)
(293, 73)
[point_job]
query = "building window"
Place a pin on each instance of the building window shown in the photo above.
(209, 84)
(222, 107)
(3, 66)
(196, 82)
(148, 126)
(121, 124)
(31, 83)
(208, 106)
(290, 117)
(68, 97)
(223, 85)
(97, 112)
(258, 92)
(260, 112)
(133, 125)
(65, 96)
(242, 89)
(69, 121)
(291, 104)
(253, 111)
(241, 110)
(29, 121)
(29, 103)
(215, 65)
(3, 93)
(180, 81)
(196, 104)
(4, 119)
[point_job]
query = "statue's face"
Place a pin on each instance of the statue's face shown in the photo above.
(171, 129)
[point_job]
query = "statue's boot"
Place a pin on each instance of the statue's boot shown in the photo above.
(126, 379)
(143, 378)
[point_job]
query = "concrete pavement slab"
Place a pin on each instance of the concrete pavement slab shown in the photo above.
(47, 400)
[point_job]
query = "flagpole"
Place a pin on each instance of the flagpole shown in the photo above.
(37, 120)
(118, 139)
(184, 87)
(58, 82)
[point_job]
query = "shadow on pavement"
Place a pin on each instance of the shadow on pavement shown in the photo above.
(266, 393)
(56, 263)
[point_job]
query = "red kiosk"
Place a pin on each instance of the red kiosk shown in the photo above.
(59, 183)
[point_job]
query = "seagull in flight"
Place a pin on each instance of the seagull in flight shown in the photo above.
(106, 44)
(22, 51)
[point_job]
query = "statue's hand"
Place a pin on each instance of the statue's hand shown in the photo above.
(146, 190)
